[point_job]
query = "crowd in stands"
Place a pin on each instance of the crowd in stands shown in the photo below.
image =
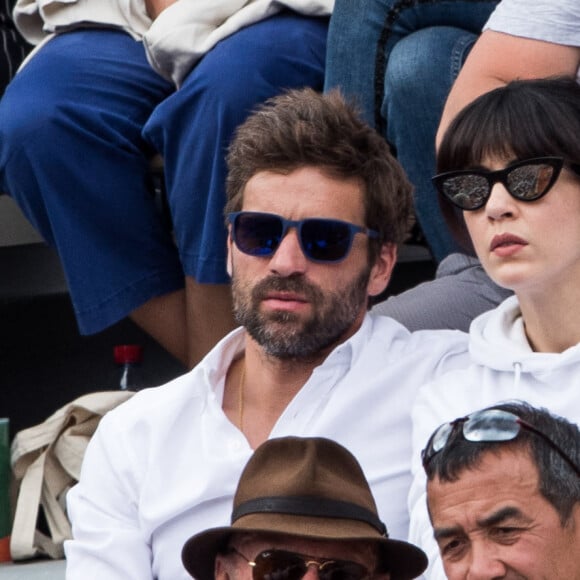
(300, 142)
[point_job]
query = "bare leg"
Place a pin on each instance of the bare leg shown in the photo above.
(209, 317)
(163, 318)
(188, 323)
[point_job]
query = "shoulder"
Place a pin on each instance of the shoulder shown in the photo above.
(391, 331)
(425, 348)
(153, 407)
(453, 392)
(446, 350)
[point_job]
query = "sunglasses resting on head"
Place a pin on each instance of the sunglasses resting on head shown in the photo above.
(284, 565)
(321, 240)
(489, 425)
(526, 180)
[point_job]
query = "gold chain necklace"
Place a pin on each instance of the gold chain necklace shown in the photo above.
(241, 398)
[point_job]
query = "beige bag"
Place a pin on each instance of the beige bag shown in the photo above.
(46, 462)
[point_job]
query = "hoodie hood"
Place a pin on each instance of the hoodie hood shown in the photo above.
(498, 341)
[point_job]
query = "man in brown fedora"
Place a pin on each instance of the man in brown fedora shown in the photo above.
(302, 505)
(317, 206)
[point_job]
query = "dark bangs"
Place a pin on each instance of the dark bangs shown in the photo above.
(522, 120)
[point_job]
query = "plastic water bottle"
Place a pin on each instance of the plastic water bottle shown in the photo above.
(5, 516)
(129, 357)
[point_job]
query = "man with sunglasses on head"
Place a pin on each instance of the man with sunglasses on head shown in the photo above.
(317, 207)
(503, 493)
(302, 507)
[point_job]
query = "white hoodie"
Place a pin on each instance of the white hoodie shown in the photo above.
(503, 367)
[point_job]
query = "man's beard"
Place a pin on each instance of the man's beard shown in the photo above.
(285, 335)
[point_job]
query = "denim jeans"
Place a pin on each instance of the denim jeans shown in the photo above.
(79, 124)
(398, 59)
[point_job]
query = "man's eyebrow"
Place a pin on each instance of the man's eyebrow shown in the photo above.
(500, 516)
(449, 532)
(492, 520)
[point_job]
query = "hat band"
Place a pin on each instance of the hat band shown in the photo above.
(310, 507)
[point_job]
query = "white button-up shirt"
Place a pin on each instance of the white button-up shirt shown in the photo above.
(165, 465)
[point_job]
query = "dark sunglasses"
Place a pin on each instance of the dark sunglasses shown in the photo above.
(526, 180)
(321, 240)
(283, 565)
(489, 425)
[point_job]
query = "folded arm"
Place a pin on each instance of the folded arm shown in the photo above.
(498, 58)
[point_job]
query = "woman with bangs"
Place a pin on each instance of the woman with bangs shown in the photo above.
(509, 186)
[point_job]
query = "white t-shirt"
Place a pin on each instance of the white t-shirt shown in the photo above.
(556, 21)
(165, 465)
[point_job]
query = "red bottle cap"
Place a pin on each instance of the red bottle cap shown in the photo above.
(128, 353)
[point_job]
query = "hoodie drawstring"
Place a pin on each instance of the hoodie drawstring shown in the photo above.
(517, 375)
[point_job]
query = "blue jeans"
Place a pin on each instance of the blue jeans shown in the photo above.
(79, 125)
(398, 59)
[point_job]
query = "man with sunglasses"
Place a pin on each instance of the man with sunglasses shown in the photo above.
(302, 506)
(503, 493)
(317, 206)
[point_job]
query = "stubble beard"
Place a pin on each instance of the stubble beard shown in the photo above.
(287, 335)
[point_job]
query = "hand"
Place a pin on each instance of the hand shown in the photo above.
(156, 7)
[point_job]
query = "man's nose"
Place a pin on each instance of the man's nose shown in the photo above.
(485, 562)
(288, 259)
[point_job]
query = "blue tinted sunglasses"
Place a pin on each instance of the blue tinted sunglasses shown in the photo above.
(321, 240)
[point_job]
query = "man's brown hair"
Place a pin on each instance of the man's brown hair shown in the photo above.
(305, 128)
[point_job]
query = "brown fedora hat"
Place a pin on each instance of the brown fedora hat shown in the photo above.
(306, 487)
